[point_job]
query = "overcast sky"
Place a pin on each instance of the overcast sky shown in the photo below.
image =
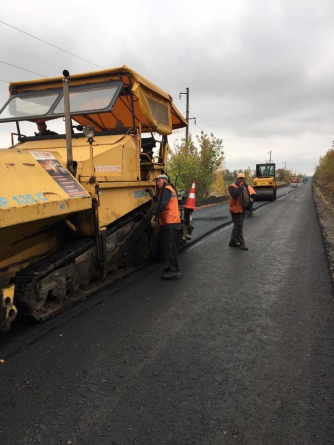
(260, 72)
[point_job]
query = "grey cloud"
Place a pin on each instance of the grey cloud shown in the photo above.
(259, 72)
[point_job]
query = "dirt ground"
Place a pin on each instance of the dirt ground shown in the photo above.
(324, 204)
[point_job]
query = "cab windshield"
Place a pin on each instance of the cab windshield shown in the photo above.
(98, 98)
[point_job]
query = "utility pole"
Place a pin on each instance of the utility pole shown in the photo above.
(270, 160)
(187, 116)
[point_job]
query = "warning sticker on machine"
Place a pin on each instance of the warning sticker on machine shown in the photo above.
(107, 168)
(60, 175)
(42, 155)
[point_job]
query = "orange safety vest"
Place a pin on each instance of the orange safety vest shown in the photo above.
(170, 214)
(251, 190)
(236, 203)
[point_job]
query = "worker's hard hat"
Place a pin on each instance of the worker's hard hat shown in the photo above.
(162, 177)
(241, 175)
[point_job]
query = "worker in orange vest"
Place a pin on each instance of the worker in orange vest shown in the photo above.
(166, 213)
(240, 201)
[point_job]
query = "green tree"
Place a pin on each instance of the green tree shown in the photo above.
(248, 175)
(287, 175)
(182, 165)
(210, 160)
(283, 175)
(219, 187)
(188, 163)
(228, 175)
(280, 174)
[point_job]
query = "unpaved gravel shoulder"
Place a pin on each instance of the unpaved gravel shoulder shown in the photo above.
(324, 204)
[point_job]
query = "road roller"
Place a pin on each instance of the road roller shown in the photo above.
(76, 203)
(265, 182)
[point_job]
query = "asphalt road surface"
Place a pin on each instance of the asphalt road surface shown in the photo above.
(208, 218)
(238, 350)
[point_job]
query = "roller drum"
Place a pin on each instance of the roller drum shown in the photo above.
(265, 193)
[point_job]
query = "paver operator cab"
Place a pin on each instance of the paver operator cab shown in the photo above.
(76, 206)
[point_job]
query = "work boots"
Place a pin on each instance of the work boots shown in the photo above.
(171, 274)
(233, 244)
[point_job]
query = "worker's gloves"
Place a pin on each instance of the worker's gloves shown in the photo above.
(154, 222)
(150, 192)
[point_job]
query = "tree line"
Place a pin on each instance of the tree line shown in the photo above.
(324, 170)
(203, 160)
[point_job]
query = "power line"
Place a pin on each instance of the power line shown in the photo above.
(229, 155)
(15, 66)
(50, 44)
(250, 159)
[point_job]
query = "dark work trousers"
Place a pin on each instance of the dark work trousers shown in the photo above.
(170, 239)
(237, 235)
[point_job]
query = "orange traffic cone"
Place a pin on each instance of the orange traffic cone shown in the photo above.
(191, 201)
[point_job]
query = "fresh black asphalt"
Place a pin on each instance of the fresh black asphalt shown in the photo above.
(239, 350)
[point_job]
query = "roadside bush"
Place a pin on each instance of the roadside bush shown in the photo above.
(324, 171)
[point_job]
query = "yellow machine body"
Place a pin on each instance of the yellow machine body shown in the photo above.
(264, 182)
(71, 205)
